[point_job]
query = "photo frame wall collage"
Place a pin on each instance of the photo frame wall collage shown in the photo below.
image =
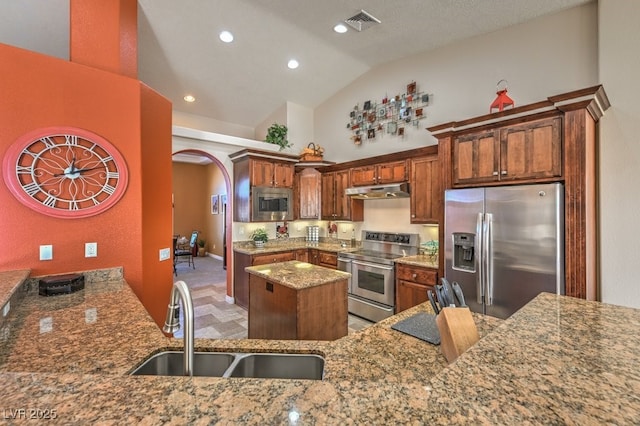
(390, 115)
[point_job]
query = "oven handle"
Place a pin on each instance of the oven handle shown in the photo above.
(372, 265)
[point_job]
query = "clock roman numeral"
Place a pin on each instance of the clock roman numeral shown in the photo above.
(50, 201)
(73, 205)
(71, 139)
(48, 141)
(31, 188)
(23, 170)
(109, 189)
(113, 175)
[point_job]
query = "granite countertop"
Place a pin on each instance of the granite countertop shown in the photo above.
(276, 246)
(558, 360)
(419, 260)
(297, 275)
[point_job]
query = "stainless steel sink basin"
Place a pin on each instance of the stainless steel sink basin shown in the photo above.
(279, 366)
(170, 363)
(222, 364)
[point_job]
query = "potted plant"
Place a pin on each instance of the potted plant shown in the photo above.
(259, 237)
(201, 245)
(277, 134)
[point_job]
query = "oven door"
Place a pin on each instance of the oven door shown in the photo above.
(372, 281)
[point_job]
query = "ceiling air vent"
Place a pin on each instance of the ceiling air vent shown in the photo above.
(362, 21)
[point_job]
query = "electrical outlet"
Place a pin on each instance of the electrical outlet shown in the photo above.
(165, 254)
(46, 252)
(90, 249)
(242, 230)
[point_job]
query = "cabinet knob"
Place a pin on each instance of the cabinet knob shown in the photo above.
(504, 172)
(414, 276)
(495, 173)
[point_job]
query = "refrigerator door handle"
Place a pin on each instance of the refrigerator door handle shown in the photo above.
(479, 258)
(488, 259)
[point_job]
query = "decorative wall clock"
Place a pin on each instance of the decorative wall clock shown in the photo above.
(65, 172)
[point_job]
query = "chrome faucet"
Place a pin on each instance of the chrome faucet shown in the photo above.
(172, 324)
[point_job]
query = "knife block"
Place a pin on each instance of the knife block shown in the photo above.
(458, 332)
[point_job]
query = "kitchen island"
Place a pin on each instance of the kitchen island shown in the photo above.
(559, 360)
(297, 300)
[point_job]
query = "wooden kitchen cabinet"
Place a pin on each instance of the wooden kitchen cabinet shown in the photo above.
(253, 168)
(425, 186)
(241, 277)
(284, 313)
(391, 172)
(328, 259)
(335, 204)
(412, 284)
(308, 184)
(271, 173)
(302, 255)
(527, 151)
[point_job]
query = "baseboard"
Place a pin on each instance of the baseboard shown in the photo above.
(229, 299)
(215, 256)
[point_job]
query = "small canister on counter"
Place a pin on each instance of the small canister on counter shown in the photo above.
(313, 234)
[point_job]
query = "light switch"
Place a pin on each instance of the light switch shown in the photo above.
(46, 252)
(165, 254)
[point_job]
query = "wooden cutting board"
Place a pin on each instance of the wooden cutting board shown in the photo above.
(458, 332)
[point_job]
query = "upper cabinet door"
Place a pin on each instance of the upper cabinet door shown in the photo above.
(392, 172)
(261, 173)
(309, 194)
(426, 190)
(531, 150)
(476, 158)
(283, 175)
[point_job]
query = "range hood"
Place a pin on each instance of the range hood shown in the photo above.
(376, 192)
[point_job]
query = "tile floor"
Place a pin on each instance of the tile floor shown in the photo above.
(215, 318)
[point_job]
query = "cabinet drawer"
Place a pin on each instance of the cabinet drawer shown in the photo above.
(328, 259)
(418, 275)
(263, 259)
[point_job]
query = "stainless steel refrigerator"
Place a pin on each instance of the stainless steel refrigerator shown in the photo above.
(505, 245)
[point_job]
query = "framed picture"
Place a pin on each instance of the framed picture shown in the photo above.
(371, 134)
(411, 88)
(392, 127)
(367, 105)
(215, 204)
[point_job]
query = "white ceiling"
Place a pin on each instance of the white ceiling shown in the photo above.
(245, 81)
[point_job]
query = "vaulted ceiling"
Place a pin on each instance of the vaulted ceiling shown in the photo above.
(243, 82)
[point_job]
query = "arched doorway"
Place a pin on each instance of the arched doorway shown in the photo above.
(199, 157)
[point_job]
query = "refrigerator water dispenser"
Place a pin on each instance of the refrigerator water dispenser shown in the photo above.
(463, 252)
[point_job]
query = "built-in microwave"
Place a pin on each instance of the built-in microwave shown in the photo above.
(271, 204)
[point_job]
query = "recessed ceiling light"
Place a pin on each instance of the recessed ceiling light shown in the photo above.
(226, 36)
(190, 98)
(293, 64)
(340, 28)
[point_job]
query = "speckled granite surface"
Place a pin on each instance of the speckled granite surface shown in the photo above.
(297, 275)
(275, 246)
(557, 361)
(419, 260)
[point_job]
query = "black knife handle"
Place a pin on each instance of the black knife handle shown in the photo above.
(433, 302)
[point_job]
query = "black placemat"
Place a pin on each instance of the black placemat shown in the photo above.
(421, 325)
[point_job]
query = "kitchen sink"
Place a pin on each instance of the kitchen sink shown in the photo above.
(170, 363)
(279, 366)
(221, 364)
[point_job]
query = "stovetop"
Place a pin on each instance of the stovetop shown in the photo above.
(384, 247)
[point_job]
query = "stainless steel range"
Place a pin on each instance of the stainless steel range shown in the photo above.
(372, 268)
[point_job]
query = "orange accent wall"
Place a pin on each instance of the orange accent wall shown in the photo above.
(156, 172)
(38, 91)
(104, 35)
